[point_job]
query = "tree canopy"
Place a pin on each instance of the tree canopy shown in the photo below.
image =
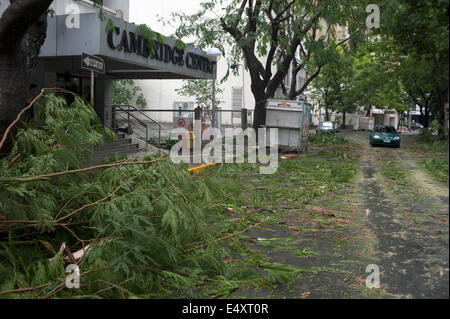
(274, 37)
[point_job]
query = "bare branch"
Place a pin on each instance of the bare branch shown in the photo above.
(312, 77)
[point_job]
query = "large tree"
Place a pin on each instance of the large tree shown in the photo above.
(419, 30)
(274, 37)
(333, 86)
(417, 80)
(23, 27)
(374, 80)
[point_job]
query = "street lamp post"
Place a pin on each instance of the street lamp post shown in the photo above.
(215, 55)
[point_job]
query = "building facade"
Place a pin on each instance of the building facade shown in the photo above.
(75, 29)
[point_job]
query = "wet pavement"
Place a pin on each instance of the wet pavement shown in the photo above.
(400, 227)
(410, 224)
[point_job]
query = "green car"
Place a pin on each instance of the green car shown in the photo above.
(384, 135)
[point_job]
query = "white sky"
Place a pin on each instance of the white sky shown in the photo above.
(147, 11)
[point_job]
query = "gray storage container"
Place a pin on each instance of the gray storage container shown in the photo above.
(289, 118)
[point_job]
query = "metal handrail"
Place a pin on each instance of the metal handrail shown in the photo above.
(138, 120)
(129, 109)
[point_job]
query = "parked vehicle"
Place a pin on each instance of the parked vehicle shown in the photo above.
(416, 126)
(326, 126)
(384, 135)
(336, 127)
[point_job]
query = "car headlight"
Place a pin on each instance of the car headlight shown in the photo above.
(376, 136)
(396, 138)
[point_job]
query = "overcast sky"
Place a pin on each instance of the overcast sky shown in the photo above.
(147, 11)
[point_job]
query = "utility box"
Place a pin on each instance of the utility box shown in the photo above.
(291, 118)
(366, 123)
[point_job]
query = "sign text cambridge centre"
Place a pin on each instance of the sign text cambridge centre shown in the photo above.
(131, 42)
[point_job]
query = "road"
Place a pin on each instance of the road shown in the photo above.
(409, 221)
(391, 213)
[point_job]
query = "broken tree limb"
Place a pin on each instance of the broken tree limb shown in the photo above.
(228, 237)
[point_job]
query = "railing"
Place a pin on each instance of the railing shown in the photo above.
(246, 114)
(141, 124)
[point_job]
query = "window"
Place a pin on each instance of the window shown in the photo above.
(236, 101)
(385, 129)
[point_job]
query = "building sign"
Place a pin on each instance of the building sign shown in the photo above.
(130, 42)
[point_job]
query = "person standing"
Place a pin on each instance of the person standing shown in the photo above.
(31, 94)
(71, 88)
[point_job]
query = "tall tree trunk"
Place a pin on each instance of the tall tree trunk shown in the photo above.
(421, 116)
(344, 119)
(426, 118)
(259, 118)
(327, 113)
(442, 100)
(23, 27)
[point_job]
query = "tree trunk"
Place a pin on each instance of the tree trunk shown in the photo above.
(426, 118)
(442, 100)
(23, 28)
(400, 119)
(327, 113)
(259, 118)
(344, 119)
(421, 116)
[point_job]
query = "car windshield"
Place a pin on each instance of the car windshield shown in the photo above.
(385, 129)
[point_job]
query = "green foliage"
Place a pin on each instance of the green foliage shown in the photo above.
(333, 88)
(126, 92)
(140, 218)
(342, 173)
(433, 156)
(263, 29)
(429, 134)
(324, 137)
(200, 90)
(150, 37)
(418, 35)
(438, 167)
(395, 171)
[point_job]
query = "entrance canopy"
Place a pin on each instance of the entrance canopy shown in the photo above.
(126, 53)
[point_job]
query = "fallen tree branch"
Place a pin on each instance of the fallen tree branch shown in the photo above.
(228, 237)
(8, 130)
(15, 291)
(87, 169)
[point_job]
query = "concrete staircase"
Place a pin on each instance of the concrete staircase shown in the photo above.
(124, 144)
